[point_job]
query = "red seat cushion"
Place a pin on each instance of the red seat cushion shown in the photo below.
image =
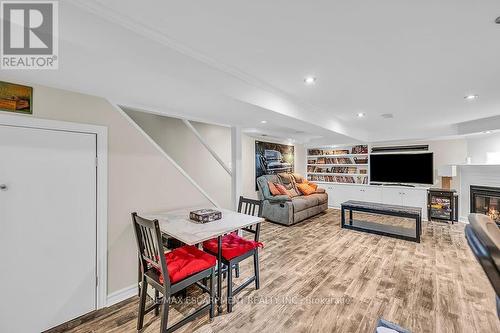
(185, 261)
(232, 246)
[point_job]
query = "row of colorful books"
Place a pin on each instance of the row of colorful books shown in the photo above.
(313, 168)
(337, 160)
(339, 179)
(358, 149)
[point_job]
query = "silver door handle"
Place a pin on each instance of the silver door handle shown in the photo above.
(3, 187)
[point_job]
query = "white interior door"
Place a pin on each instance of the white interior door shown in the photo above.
(47, 227)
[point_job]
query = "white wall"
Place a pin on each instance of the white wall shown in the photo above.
(248, 151)
(218, 137)
(180, 143)
(448, 152)
(484, 148)
(139, 177)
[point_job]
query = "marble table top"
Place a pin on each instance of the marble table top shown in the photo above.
(383, 207)
(178, 225)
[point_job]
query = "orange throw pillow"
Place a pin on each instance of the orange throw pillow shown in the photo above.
(313, 185)
(282, 189)
(273, 189)
(305, 189)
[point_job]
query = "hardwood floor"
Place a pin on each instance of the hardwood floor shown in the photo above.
(317, 277)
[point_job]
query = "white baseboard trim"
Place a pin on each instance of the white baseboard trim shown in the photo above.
(121, 295)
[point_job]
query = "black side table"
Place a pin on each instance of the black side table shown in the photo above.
(442, 205)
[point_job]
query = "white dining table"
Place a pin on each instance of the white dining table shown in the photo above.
(177, 224)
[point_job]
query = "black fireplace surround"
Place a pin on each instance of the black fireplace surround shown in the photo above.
(485, 200)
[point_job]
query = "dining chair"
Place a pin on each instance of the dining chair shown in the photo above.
(170, 272)
(168, 243)
(236, 249)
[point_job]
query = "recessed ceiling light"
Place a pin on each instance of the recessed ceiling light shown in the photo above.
(487, 132)
(310, 80)
(471, 97)
(263, 121)
(361, 114)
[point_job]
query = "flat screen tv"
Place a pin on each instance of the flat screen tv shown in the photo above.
(409, 168)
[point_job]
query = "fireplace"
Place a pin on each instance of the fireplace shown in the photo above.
(485, 200)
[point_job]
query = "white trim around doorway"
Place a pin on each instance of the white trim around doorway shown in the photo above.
(101, 133)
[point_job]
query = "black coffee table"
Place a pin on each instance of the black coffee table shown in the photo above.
(412, 234)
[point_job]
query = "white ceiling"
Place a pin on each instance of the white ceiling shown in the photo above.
(235, 62)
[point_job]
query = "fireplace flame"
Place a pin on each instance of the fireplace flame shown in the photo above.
(494, 214)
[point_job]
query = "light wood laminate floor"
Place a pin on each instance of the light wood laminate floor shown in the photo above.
(317, 277)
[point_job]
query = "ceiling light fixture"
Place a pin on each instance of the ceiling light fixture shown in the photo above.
(361, 114)
(487, 132)
(471, 97)
(263, 121)
(310, 80)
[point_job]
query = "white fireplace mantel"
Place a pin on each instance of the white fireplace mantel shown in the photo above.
(475, 174)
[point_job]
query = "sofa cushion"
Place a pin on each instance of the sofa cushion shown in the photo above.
(273, 189)
(293, 191)
(321, 197)
(286, 178)
(299, 178)
(305, 189)
(282, 189)
(309, 212)
(313, 185)
(288, 181)
(304, 202)
(264, 193)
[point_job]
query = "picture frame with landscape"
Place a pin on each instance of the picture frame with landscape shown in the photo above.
(16, 98)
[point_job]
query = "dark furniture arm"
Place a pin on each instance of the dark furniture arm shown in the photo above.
(483, 237)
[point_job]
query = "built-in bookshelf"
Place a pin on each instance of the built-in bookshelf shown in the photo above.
(346, 165)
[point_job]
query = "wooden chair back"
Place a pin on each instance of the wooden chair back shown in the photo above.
(251, 207)
(150, 246)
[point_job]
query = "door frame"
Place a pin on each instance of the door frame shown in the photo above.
(101, 133)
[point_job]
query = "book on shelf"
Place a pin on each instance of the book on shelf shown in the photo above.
(339, 179)
(334, 160)
(361, 160)
(319, 152)
(360, 149)
(346, 170)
